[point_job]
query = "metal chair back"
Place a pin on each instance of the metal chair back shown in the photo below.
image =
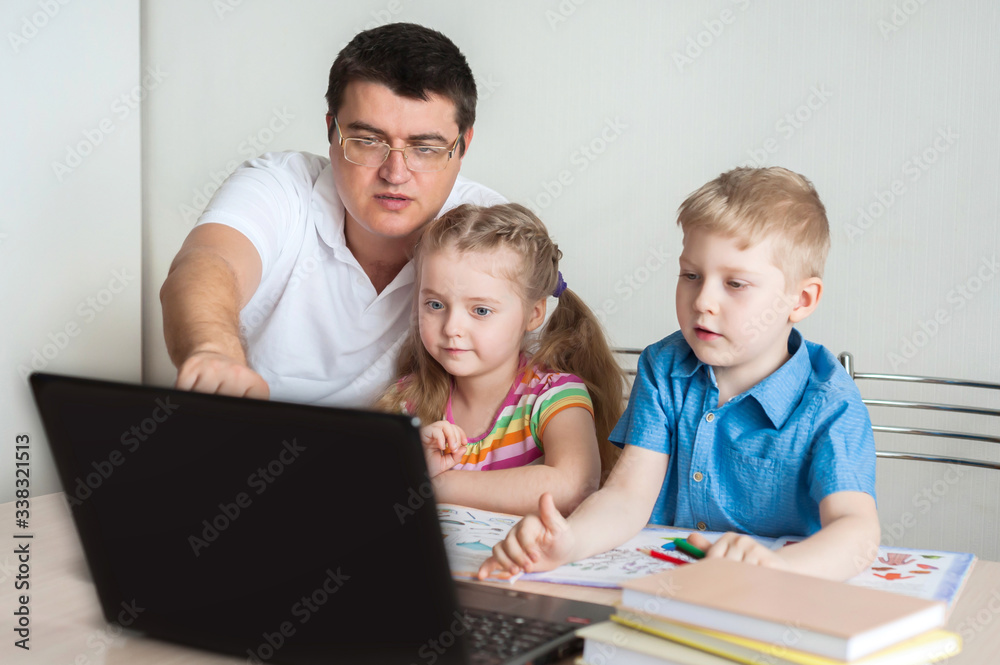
(992, 436)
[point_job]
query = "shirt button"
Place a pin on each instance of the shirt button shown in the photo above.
(710, 417)
(702, 526)
(698, 477)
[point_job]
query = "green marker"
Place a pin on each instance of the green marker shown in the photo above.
(684, 546)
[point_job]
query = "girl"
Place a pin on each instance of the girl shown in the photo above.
(539, 420)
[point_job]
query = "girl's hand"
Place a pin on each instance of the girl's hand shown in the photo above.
(444, 445)
(738, 547)
(541, 541)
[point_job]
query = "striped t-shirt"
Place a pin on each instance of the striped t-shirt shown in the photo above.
(515, 439)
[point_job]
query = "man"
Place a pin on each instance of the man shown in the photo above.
(296, 282)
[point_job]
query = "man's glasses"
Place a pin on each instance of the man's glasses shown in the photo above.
(371, 153)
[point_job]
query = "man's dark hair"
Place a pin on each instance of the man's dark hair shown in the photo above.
(412, 61)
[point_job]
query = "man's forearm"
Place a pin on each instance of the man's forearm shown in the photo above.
(201, 305)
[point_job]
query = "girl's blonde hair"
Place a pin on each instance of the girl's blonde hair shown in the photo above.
(572, 341)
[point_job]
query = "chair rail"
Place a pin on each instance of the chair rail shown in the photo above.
(928, 379)
(920, 457)
(933, 406)
(627, 351)
(847, 360)
(936, 432)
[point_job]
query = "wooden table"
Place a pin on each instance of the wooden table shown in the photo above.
(67, 627)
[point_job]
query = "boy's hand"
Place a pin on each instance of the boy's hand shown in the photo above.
(536, 543)
(738, 547)
(444, 445)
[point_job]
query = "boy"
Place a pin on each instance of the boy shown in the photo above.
(735, 423)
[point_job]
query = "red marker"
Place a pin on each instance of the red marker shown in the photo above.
(663, 557)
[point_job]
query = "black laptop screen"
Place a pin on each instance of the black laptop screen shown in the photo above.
(264, 529)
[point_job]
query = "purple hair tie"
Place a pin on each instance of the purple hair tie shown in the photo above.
(560, 286)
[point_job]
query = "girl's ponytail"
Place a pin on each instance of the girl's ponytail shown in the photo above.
(573, 341)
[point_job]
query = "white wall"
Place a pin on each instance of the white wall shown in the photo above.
(551, 88)
(70, 236)
(850, 94)
(884, 79)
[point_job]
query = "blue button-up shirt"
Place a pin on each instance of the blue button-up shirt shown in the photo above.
(761, 462)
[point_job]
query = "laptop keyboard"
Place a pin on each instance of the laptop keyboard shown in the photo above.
(495, 638)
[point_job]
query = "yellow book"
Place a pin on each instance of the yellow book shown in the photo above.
(827, 618)
(608, 643)
(928, 647)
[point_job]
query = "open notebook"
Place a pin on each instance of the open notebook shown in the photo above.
(470, 534)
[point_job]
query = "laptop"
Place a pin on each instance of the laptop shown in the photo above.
(276, 532)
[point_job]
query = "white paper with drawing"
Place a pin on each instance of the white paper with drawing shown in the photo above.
(930, 574)
(470, 534)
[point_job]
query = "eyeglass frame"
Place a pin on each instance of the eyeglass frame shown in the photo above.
(344, 139)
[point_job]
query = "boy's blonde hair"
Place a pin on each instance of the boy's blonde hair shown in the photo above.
(571, 341)
(751, 204)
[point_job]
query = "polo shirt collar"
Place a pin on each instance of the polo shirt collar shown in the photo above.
(780, 393)
(688, 365)
(327, 205)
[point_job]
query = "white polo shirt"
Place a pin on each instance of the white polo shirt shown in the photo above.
(316, 331)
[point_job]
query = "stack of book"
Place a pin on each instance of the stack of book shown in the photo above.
(720, 611)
